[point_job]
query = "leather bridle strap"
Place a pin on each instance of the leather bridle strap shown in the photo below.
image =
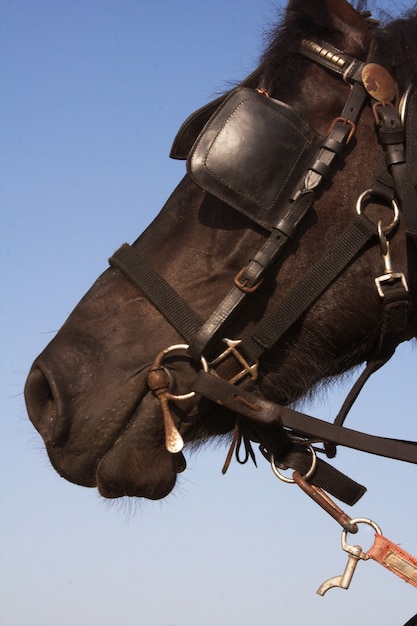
(262, 411)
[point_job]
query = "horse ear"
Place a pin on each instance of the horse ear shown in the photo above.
(336, 18)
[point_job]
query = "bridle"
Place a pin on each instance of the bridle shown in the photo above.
(287, 437)
(278, 429)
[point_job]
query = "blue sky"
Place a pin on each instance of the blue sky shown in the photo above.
(92, 96)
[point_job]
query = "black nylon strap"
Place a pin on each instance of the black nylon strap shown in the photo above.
(309, 288)
(157, 290)
(276, 445)
(395, 314)
(325, 476)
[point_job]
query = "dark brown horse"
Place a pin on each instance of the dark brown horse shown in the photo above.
(88, 394)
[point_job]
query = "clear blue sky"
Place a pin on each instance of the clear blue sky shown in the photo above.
(92, 95)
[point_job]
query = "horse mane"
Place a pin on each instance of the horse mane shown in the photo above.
(284, 39)
(403, 34)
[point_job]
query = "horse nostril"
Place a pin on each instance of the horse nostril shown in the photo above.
(43, 409)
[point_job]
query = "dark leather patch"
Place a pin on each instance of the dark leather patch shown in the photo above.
(252, 153)
(195, 122)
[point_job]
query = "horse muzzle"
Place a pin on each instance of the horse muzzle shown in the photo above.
(118, 446)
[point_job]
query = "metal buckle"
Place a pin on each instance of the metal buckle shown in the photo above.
(388, 276)
(248, 370)
(346, 122)
(242, 285)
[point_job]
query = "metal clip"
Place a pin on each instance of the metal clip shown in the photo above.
(388, 276)
(343, 581)
(355, 555)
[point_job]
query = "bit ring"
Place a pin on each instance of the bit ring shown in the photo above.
(158, 363)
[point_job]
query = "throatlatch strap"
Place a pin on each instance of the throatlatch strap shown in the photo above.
(396, 307)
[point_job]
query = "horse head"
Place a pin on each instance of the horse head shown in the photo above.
(90, 393)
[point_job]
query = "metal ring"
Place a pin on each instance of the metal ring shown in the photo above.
(177, 346)
(182, 346)
(403, 106)
(291, 480)
(204, 365)
(360, 520)
(367, 195)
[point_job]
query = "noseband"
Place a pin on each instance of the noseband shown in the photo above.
(283, 195)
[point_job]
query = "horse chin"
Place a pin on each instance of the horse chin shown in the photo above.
(138, 464)
(118, 472)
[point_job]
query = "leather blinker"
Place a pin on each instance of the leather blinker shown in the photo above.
(252, 154)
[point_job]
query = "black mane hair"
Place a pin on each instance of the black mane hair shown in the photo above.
(403, 35)
(281, 43)
(284, 40)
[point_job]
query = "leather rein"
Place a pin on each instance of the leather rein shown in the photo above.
(281, 427)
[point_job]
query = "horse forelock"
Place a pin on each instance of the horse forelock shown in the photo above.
(285, 38)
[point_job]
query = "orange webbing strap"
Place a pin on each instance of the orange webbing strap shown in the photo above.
(394, 558)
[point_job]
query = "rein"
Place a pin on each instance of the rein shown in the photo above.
(281, 427)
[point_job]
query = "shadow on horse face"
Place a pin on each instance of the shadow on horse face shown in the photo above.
(87, 393)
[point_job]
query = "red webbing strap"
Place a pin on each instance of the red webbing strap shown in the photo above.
(394, 558)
